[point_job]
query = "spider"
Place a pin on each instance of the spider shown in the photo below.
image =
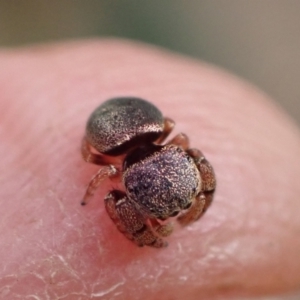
(160, 180)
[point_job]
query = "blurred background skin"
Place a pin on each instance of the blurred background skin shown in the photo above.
(258, 40)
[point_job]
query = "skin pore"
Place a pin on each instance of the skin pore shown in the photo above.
(246, 245)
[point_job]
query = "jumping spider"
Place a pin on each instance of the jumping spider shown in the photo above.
(160, 180)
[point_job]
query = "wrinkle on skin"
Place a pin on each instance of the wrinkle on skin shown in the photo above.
(52, 248)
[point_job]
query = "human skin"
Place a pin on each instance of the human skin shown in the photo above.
(247, 244)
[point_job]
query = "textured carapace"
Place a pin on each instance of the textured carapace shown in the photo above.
(117, 125)
(159, 180)
(163, 183)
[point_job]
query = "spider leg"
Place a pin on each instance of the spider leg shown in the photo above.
(130, 221)
(180, 140)
(208, 185)
(168, 127)
(205, 169)
(193, 213)
(96, 158)
(103, 173)
(162, 230)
